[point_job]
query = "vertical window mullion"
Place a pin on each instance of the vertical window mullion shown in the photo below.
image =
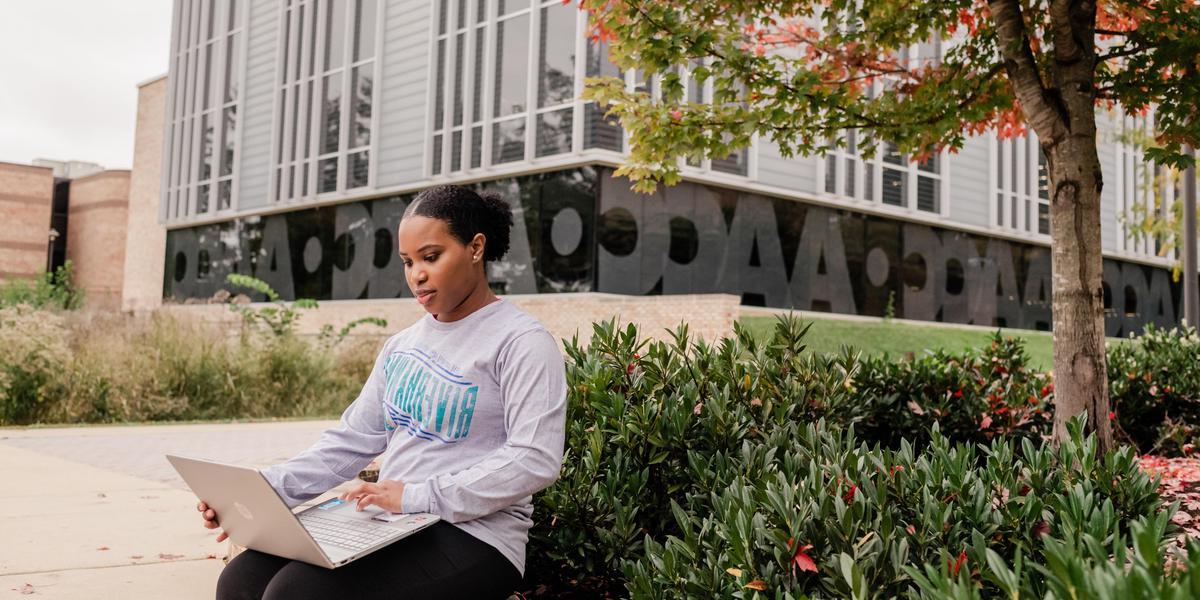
(305, 102)
(531, 82)
(347, 102)
(376, 91)
(314, 121)
(489, 82)
(449, 74)
(1022, 173)
(468, 87)
(285, 157)
(577, 104)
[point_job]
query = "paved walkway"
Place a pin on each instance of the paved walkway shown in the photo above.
(97, 512)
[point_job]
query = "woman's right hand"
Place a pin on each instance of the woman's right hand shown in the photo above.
(210, 519)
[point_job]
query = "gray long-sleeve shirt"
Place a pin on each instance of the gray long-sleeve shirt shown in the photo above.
(470, 415)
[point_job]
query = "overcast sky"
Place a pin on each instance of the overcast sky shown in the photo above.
(69, 71)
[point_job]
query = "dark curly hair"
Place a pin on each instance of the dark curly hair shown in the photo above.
(467, 213)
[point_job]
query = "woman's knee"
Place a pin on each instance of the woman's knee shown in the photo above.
(298, 581)
(247, 575)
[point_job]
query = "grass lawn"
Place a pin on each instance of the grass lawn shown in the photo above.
(895, 339)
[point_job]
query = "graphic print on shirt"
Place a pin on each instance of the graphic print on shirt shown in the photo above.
(425, 399)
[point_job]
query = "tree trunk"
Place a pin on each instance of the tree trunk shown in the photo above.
(1080, 375)
(1059, 104)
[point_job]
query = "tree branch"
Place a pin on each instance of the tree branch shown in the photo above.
(1047, 116)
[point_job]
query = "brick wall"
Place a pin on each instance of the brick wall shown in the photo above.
(96, 236)
(26, 195)
(709, 316)
(146, 239)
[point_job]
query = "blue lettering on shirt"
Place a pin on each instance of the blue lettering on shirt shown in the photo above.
(425, 399)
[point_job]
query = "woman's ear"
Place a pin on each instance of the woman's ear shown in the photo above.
(477, 246)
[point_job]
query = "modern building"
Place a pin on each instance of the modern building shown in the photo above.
(297, 131)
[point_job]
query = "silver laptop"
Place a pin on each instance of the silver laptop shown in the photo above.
(330, 534)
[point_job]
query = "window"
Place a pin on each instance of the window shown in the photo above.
(889, 177)
(1021, 185)
(1142, 188)
(205, 77)
(504, 82)
(326, 97)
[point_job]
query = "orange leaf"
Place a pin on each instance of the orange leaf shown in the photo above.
(757, 584)
(736, 572)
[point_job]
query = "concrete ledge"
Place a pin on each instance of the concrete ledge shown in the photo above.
(709, 316)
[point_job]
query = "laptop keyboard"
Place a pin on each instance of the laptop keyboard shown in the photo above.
(350, 535)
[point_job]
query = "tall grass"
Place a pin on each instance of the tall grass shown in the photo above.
(67, 367)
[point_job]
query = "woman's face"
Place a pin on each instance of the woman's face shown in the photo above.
(441, 271)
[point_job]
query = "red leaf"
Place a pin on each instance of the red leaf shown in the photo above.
(25, 590)
(849, 497)
(803, 561)
(986, 422)
(962, 559)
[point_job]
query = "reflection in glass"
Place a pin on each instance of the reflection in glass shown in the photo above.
(202, 199)
(335, 33)
(331, 113)
(439, 103)
(360, 123)
(327, 175)
(224, 194)
(927, 194)
(476, 147)
(436, 158)
(456, 151)
(460, 77)
(556, 64)
(895, 190)
(357, 168)
(477, 101)
(206, 147)
(554, 132)
(233, 67)
(512, 52)
(508, 141)
(600, 131)
(364, 29)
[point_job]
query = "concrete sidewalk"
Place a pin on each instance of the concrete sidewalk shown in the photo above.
(97, 512)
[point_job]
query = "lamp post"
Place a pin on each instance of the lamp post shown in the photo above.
(1191, 309)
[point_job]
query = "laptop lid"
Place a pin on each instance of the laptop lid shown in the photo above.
(249, 509)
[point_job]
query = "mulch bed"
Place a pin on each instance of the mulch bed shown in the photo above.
(1180, 482)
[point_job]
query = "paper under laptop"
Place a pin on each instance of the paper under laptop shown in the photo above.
(330, 534)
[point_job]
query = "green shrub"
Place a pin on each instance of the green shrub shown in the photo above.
(686, 460)
(1154, 387)
(49, 290)
(973, 396)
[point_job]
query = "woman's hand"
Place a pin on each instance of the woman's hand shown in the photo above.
(210, 519)
(386, 495)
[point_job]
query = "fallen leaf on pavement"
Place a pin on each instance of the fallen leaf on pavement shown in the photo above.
(102, 548)
(166, 556)
(101, 495)
(25, 590)
(148, 497)
(136, 557)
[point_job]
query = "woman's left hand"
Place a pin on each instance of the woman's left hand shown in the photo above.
(386, 495)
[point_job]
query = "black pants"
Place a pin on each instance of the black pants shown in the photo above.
(441, 562)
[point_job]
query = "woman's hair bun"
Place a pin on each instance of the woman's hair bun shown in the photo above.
(467, 213)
